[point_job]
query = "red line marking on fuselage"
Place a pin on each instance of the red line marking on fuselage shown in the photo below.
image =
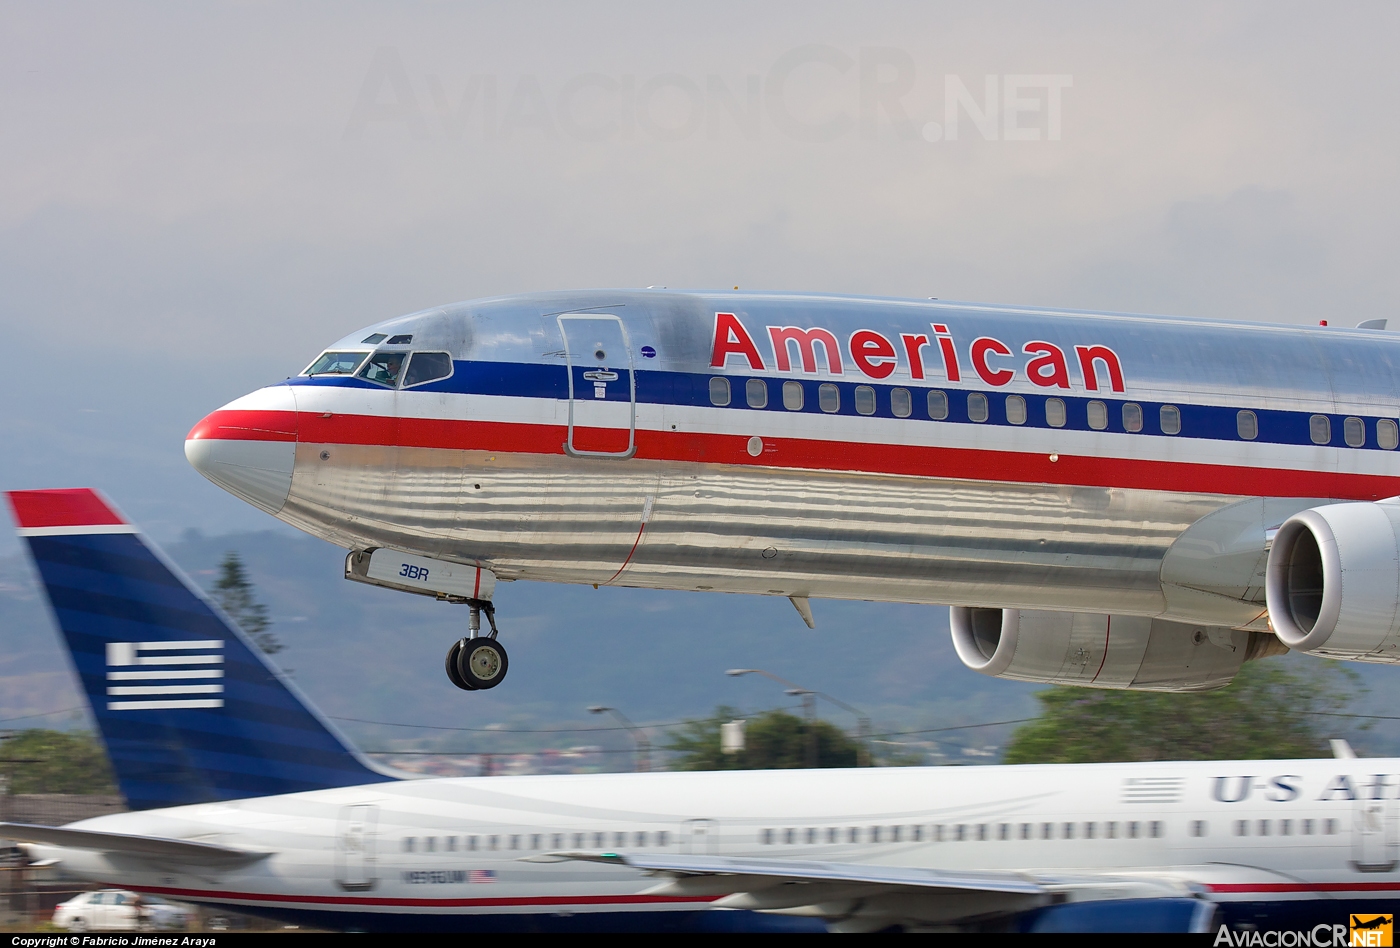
(1107, 631)
(640, 531)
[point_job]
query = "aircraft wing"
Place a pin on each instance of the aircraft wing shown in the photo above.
(861, 897)
(182, 851)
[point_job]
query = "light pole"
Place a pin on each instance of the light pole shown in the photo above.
(863, 756)
(638, 735)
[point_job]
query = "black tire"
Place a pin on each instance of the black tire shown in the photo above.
(453, 675)
(482, 663)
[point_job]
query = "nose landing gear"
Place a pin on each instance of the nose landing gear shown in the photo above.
(476, 663)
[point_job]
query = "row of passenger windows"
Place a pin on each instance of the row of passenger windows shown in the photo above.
(1284, 827)
(451, 844)
(1017, 411)
(960, 832)
(900, 833)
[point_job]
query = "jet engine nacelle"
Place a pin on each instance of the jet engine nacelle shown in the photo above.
(1099, 651)
(1333, 582)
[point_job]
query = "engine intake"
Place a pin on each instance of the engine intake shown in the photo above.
(1333, 582)
(1099, 651)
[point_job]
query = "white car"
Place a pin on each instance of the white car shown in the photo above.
(120, 910)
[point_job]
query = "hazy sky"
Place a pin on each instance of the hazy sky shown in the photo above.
(194, 198)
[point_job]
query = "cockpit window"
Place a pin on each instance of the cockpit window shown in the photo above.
(374, 339)
(427, 367)
(336, 363)
(400, 340)
(384, 367)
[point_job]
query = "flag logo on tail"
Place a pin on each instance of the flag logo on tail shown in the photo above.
(144, 676)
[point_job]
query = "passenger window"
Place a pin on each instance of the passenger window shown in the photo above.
(853, 836)
(1319, 429)
(937, 405)
(767, 837)
(1089, 830)
(383, 368)
(1016, 409)
(1098, 415)
(789, 836)
(1169, 417)
(829, 397)
(1387, 434)
(719, 391)
(663, 838)
(430, 844)
(1055, 412)
(1069, 831)
(638, 839)
(1004, 831)
(865, 399)
(409, 844)
(427, 367)
(793, 399)
(756, 393)
(1157, 828)
(901, 403)
(1354, 432)
(1247, 424)
(1047, 830)
(336, 363)
(1132, 416)
(977, 406)
(1199, 828)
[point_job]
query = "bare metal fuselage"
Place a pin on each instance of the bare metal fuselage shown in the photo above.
(651, 479)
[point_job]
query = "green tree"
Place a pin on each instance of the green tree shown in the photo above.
(1269, 711)
(234, 593)
(56, 762)
(774, 740)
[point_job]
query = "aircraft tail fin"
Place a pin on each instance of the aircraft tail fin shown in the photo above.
(190, 710)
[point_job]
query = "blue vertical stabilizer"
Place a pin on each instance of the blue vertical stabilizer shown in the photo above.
(190, 710)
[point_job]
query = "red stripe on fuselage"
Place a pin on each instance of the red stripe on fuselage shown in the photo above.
(810, 454)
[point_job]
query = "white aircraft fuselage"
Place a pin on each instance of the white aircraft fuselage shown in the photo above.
(385, 855)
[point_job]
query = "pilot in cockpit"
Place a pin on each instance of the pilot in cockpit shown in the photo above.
(384, 368)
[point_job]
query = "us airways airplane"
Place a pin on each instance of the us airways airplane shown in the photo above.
(1119, 501)
(245, 797)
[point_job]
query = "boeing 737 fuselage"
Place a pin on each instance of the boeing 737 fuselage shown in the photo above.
(1116, 500)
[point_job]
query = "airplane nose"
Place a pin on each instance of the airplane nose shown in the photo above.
(249, 447)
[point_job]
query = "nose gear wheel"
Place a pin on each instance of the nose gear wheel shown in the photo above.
(482, 663)
(475, 663)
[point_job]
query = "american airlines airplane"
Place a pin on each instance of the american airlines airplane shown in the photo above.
(1109, 500)
(245, 797)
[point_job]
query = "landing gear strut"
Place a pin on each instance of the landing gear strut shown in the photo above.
(476, 663)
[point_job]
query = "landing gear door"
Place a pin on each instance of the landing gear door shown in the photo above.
(602, 390)
(700, 837)
(354, 848)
